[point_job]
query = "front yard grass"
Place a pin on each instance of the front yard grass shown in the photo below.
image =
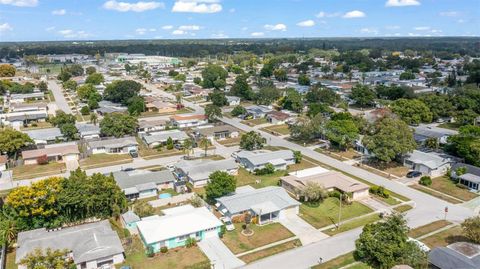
(445, 238)
(230, 142)
(353, 224)
(103, 159)
(246, 178)
(278, 130)
(36, 170)
(402, 208)
(447, 186)
(263, 235)
(326, 213)
(435, 194)
(156, 114)
(343, 261)
(254, 122)
(426, 229)
(37, 125)
(257, 255)
(174, 258)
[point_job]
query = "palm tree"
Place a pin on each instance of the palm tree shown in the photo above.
(204, 143)
(8, 231)
(187, 146)
(93, 118)
(179, 97)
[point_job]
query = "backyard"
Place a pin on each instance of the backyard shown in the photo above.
(326, 212)
(37, 170)
(263, 235)
(103, 159)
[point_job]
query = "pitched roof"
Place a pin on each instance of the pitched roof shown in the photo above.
(129, 217)
(113, 142)
(431, 159)
(260, 157)
(56, 150)
(44, 134)
(188, 117)
(458, 255)
(87, 128)
(163, 136)
(137, 178)
(278, 115)
(201, 169)
(87, 242)
(267, 197)
(211, 130)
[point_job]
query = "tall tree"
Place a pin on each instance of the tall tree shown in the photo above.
(213, 112)
(241, 88)
(252, 141)
(118, 125)
(466, 144)
(363, 95)
(11, 141)
(120, 91)
(293, 101)
(342, 132)
(219, 184)
(95, 79)
(412, 111)
(214, 76)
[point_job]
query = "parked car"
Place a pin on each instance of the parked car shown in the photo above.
(228, 223)
(170, 167)
(413, 174)
(133, 153)
(178, 146)
(128, 169)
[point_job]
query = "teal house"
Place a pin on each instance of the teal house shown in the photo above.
(177, 225)
(130, 219)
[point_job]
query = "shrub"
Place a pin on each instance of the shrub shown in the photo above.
(425, 181)
(150, 252)
(42, 160)
(223, 230)
(190, 242)
(85, 110)
(267, 170)
(163, 249)
(379, 191)
(34, 124)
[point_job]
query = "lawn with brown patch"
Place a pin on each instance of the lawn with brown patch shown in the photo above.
(103, 159)
(37, 170)
(435, 194)
(447, 186)
(278, 130)
(445, 238)
(426, 229)
(257, 255)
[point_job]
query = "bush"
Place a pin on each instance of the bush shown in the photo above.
(223, 230)
(425, 181)
(150, 252)
(85, 110)
(379, 191)
(191, 242)
(267, 170)
(42, 160)
(163, 249)
(34, 124)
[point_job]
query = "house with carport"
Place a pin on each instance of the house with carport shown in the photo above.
(138, 184)
(257, 159)
(122, 145)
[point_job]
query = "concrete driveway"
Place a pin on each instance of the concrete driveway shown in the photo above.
(302, 229)
(219, 255)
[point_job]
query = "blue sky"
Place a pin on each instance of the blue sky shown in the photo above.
(38, 20)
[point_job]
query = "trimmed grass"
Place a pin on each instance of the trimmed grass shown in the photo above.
(36, 170)
(445, 238)
(402, 208)
(337, 263)
(425, 229)
(40, 125)
(230, 142)
(174, 258)
(254, 122)
(277, 130)
(450, 125)
(326, 213)
(103, 159)
(257, 255)
(353, 224)
(447, 186)
(435, 194)
(263, 235)
(246, 178)
(155, 114)
(10, 260)
(390, 200)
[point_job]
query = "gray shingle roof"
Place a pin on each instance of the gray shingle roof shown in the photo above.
(87, 242)
(44, 134)
(138, 178)
(451, 258)
(113, 142)
(262, 157)
(163, 136)
(201, 169)
(87, 129)
(129, 217)
(431, 159)
(274, 196)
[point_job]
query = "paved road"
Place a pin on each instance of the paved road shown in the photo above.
(60, 100)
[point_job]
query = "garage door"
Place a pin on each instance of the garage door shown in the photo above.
(211, 233)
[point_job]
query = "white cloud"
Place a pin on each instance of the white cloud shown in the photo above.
(422, 28)
(402, 3)
(307, 23)
(449, 13)
(49, 29)
(20, 3)
(140, 31)
(5, 27)
(136, 7)
(189, 27)
(178, 32)
(275, 27)
(392, 27)
(257, 34)
(59, 12)
(354, 14)
(71, 34)
(232, 10)
(167, 27)
(370, 31)
(323, 14)
(219, 35)
(197, 6)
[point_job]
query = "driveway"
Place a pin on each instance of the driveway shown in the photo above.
(305, 232)
(375, 205)
(60, 100)
(219, 255)
(71, 165)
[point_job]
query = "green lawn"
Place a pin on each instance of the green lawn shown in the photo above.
(277, 130)
(103, 159)
(342, 261)
(37, 125)
(255, 122)
(447, 186)
(36, 170)
(353, 224)
(263, 235)
(402, 208)
(257, 255)
(445, 238)
(174, 258)
(246, 178)
(326, 213)
(450, 125)
(431, 227)
(435, 194)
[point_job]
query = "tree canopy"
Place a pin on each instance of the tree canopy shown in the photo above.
(120, 91)
(11, 141)
(219, 184)
(252, 141)
(118, 125)
(466, 144)
(214, 76)
(363, 95)
(412, 111)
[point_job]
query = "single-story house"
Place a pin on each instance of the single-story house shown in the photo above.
(22, 97)
(457, 255)
(148, 126)
(253, 160)
(160, 138)
(91, 245)
(277, 117)
(233, 100)
(428, 163)
(3, 162)
(160, 106)
(177, 225)
(269, 204)
(197, 171)
(55, 152)
(185, 121)
(142, 183)
(105, 107)
(258, 111)
(17, 119)
(130, 219)
(422, 133)
(113, 145)
(45, 136)
(471, 178)
(296, 181)
(217, 132)
(88, 130)
(24, 107)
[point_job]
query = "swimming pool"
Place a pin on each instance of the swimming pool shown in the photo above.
(164, 195)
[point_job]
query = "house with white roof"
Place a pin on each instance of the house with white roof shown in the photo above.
(160, 138)
(45, 136)
(177, 225)
(121, 145)
(432, 164)
(253, 160)
(143, 183)
(269, 204)
(197, 172)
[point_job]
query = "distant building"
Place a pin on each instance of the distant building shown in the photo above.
(197, 172)
(186, 121)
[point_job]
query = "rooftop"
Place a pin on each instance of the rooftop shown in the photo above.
(260, 157)
(113, 142)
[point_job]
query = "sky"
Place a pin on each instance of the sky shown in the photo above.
(42, 20)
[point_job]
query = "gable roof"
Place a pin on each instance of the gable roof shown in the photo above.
(87, 129)
(268, 197)
(56, 150)
(113, 142)
(163, 136)
(260, 157)
(87, 242)
(201, 169)
(44, 134)
(430, 159)
(138, 178)
(458, 255)
(188, 117)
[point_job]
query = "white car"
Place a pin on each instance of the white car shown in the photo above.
(170, 167)
(228, 223)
